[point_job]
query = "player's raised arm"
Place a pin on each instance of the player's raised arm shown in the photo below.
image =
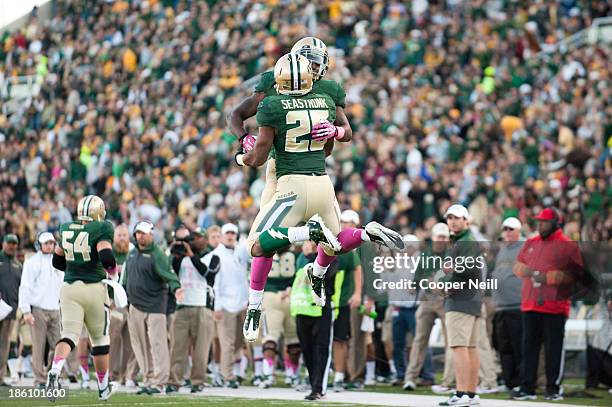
(342, 121)
(259, 154)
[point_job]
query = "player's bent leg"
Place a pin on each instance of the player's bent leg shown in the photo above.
(271, 183)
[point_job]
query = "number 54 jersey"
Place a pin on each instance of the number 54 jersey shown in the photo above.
(293, 119)
(79, 241)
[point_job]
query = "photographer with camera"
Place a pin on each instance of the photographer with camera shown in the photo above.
(193, 321)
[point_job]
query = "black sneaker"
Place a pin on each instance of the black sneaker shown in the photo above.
(319, 233)
(171, 389)
(197, 388)
(313, 396)
(143, 390)
(232, 384)
(155, 390)
(522, 396)
(554, 397)
(250, 329)
(317, 284)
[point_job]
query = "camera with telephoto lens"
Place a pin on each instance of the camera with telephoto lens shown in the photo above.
(177, 247)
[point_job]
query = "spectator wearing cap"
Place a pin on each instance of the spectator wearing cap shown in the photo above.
(148, 280)
(123, 365)
(346, 325)
(193, 321)
(463, 307)
(10, 277)
(431, 306)
(507, 326)
(231, 298)
(39, 302)
(546, 263)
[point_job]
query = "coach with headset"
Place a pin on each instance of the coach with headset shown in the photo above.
(39, 302)
(548, 264)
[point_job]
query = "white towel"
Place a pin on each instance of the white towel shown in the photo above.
(119, 295)
(5, 309)
(367, 324)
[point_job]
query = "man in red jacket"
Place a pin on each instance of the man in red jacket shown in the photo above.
(548, 264)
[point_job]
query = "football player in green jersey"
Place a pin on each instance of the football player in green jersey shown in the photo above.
(315, 51)
(297, 123)
(85, 255)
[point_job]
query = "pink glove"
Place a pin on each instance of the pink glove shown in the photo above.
(326, 130)
(247, 141)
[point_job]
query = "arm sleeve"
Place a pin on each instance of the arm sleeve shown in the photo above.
(199, 265)
(162, 268)
(25, 287)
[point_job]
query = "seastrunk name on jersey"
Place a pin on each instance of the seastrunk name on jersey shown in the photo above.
(315, 103)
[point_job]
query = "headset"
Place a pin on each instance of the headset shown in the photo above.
(37, 246)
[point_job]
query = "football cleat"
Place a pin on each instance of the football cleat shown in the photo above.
(107, 392)
(317, 284)
(52, 384)
(319, 233)
(384, 236)
(250, 329)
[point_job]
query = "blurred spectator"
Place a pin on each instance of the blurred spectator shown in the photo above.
(507, 327)
(546, 263)
(39, 303)
(10, 276)
(231, 298)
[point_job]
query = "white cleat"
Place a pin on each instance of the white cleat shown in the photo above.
(250, 329)
(319, 233)
(107, 392)
(317, 284)
(384, 236)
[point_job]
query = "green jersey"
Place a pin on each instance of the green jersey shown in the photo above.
(79, 241)
(282, 273)
(327, 87)
(293, 119)
(348, 263)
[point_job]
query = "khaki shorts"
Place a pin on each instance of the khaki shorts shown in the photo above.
(268, 193)
(85, 305)
(296, 199)
(278, 320)
(21, 330)
(462, 329)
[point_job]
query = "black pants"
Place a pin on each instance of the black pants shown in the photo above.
(315, 335)
(550, 328)
(507, 337)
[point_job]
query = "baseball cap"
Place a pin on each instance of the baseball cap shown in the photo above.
(457, 210)
(546, 214)
(11, 238)
(349, 215)
(229, 228)
(46, 237)
(440, 229)
(512, 223)
(409, 238)
(144, 227)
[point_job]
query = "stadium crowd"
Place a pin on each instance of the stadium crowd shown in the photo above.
(449, 102)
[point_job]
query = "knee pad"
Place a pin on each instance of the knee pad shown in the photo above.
(271, 346)
(294, 349)
(69, 341)
(100, 350)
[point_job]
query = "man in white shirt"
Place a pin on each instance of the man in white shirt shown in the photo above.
(39, 302)
(231, 298)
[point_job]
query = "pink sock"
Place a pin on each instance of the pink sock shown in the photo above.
(85, 363)
(350, 239)
(292, 366)
(323, 259)
(260, 267)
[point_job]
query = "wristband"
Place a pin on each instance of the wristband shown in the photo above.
(238, 158)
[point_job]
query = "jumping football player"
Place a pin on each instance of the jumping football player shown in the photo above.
(315, 51)
(304, 191)
(85, 255)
